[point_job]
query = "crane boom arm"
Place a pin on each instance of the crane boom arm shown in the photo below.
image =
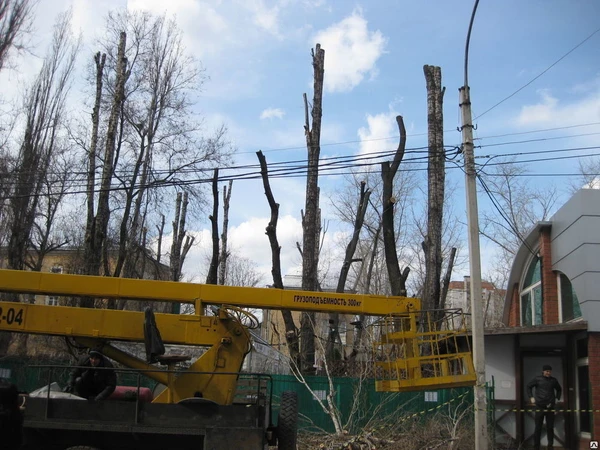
(107, 323)
(39, 283)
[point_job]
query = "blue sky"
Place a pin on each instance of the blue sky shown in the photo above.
(257, 55)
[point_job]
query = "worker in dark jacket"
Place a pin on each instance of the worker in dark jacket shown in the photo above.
(94, 378)
(547, 393)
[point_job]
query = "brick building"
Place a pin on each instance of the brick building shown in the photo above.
(552, 316)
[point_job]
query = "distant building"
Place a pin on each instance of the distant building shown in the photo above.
(69, 260)
(493, 300)
(273, 327)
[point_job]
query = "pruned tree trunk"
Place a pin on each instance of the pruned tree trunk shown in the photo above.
(334, 318)
(396, 277)
(436, 179)
(224, 252)
(179, 249)
(211, 277)
(96, 247)
(447, 278)
(291, 331)
(161, 229)
(91, 252)
(129, 239)
(310, 226)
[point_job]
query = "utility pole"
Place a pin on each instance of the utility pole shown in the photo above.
(481, 434)
(481, 426)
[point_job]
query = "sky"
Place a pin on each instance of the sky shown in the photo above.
(257, 55)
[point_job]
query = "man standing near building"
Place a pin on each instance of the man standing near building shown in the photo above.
(547, 393)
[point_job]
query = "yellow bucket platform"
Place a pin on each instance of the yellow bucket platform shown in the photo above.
(423, 350)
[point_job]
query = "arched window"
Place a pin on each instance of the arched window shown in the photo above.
(531, 294)
(569, 305)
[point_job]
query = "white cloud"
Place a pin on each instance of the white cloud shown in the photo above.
(200, 21)
(380, 134)
(265, 17)
(248, 240)
(552, 112)
(351, 51)
(269, 113)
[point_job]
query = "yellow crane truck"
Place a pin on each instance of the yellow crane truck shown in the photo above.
(197, 408)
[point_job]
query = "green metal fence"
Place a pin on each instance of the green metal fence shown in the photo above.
(361, 406)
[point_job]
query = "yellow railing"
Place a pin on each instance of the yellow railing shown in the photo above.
(423, 350)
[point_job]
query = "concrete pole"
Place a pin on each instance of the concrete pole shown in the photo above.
(481, 430)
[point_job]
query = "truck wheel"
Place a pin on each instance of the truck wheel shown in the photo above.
(287, 422)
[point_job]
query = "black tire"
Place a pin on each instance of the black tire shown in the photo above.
(287, 422)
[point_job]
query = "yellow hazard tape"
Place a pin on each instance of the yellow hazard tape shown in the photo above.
(546, 410)
(420, 413)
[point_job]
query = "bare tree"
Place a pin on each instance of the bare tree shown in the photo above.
(291, 330)
(160, 229)
(589, 175)
(143, 114)
(48, 233)
(182, 242)
(447, 278)
(44, 121)
(406, 190)
(161, 143)
(432, 242)
(224, 252)
(396, 277)
(310, 223)
(520, 206)
(6, 187)
(45, 108)
(361, 210)
(16, 18)
(211, 277)
(92, 249)
(95, 250)
(242, 271)
(451, 238)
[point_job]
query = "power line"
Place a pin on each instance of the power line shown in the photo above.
(539, 75)
(423, 134)
(335, 166)
(295, 171)
(503, 213)
(341, 161)
(422, 149)
(527, 141)
(540, 130)
(538, 152)
(522, 175)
